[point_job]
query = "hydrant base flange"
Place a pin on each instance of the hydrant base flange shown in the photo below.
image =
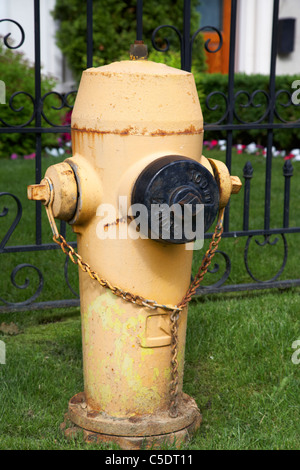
(135, 432)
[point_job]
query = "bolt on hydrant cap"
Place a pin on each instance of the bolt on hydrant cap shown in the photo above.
(39, 192)
(236, 184)
(138, 51)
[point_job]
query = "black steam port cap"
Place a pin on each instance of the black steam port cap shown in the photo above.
(175, 182)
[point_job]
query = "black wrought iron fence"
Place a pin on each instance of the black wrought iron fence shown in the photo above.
(229, 122)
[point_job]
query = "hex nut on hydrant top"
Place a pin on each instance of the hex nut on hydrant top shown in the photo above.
(134, 191)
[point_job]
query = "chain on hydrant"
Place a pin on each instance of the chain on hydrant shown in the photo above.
(137, 299)
(213, 246)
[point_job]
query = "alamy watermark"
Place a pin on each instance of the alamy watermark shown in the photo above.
(2, 352)
(180, 223)
(296, 354)
(296, 93)
(2, 92)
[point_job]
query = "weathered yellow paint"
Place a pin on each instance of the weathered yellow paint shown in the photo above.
(146, 352)
(127, 115)
(106, 395)
(167, 373)
(135, 382)
(127, 367)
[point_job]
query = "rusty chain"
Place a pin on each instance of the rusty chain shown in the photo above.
(174, 317)
(143, 302)
(128, 296)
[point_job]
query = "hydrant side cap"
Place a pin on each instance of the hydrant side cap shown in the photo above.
(137, 98)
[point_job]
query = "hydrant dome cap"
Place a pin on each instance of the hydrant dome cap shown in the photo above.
(133, 67)
(137, 98)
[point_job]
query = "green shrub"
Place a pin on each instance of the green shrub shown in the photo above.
(249, 109)
(114, 29)
(18, 75)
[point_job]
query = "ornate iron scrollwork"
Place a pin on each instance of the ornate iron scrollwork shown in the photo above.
(5, 39)
(251, 102)
(166, 40)
(15, 221)
(207, 42)
(20, 109)
(64, 103)
(266, 241)
(216, 107)
(25, 285)
(216, 268)
(284, 105)
(186, 43)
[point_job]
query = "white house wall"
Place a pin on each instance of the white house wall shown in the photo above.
(51, 57)
(254, 34)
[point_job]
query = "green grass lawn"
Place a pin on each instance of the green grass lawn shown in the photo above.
(238, 368)
(239, 350)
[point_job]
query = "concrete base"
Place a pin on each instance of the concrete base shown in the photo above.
(136, 432)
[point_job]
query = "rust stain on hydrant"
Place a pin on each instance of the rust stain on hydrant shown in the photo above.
(132, 119)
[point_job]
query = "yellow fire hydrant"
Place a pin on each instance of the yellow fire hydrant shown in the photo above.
(137, 134)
